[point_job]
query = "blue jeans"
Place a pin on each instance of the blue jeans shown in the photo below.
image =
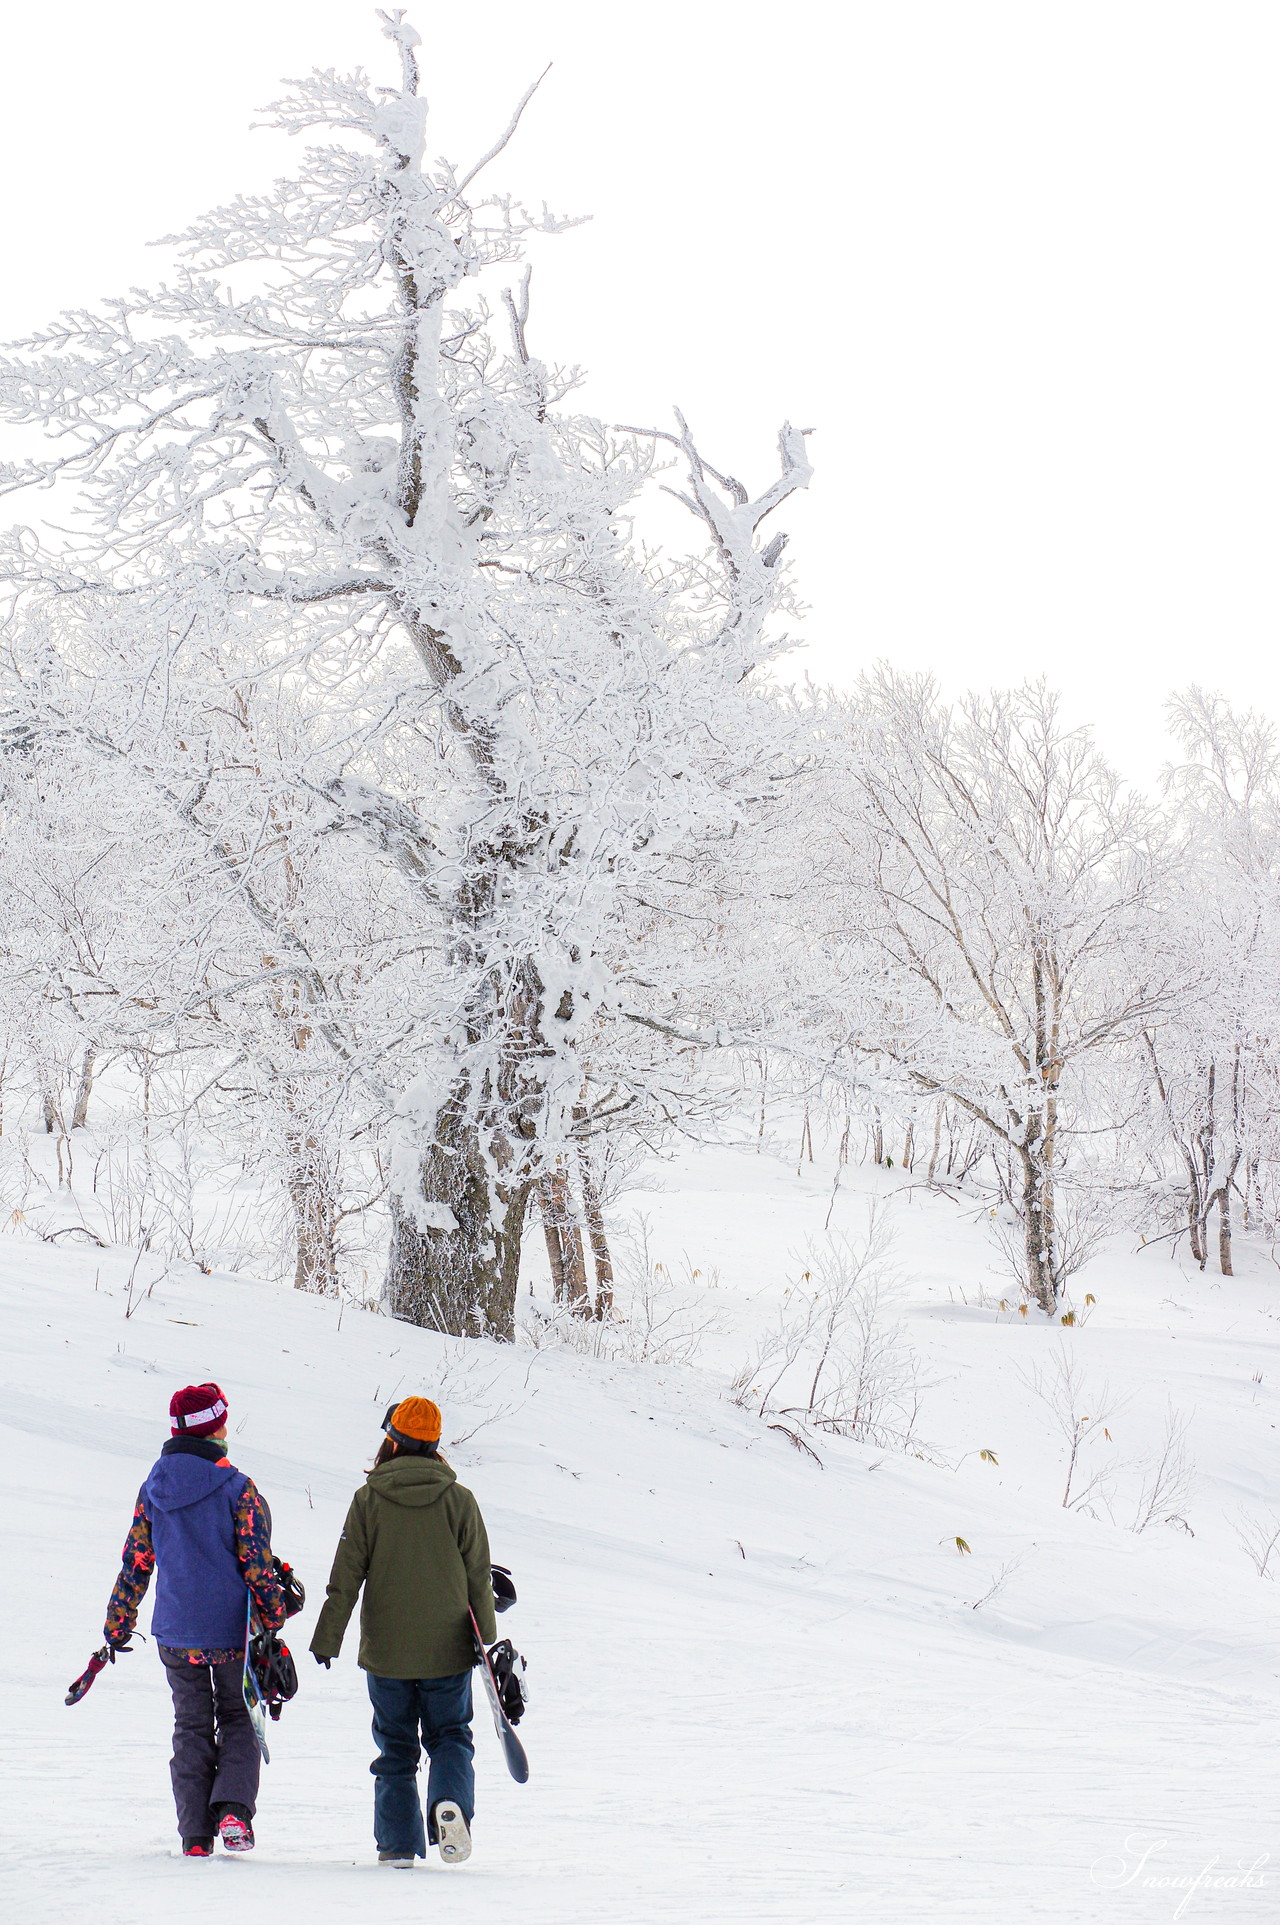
(409, 1715)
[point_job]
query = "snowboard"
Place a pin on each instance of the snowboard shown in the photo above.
(255, 1703)
(513, 1750)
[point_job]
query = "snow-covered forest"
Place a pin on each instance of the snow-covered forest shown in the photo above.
(396, 848)
(413, 864)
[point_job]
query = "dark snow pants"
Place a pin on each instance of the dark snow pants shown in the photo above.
(410, 1714)
(215, 1756)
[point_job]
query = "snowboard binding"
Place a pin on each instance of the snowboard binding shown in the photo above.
(291, 1584)
(509, 1674)
(507, 1665)
(275, 1675)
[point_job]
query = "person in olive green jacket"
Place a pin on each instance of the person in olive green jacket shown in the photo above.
(415, 1539)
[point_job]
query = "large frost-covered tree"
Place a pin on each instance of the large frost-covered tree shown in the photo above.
(306, 460)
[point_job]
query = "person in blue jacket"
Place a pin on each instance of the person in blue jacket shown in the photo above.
(204, 1528)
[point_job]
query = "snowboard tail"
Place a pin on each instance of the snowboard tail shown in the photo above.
(270, 1677)
(255, 1703)
(513, 1750)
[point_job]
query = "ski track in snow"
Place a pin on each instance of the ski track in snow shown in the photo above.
(759, 1692)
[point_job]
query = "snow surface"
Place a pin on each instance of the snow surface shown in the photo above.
(760, 1690)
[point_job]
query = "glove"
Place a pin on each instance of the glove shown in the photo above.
(326, 1662)
(119, 1647)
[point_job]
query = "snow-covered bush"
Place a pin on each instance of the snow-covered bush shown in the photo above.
(836, 1358)
(658, 1314)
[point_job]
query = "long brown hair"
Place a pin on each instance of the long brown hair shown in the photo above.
(389, 1448)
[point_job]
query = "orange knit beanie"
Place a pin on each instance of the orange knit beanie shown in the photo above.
(419, 1418)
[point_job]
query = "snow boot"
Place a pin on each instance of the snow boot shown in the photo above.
(401, 1861)
(235, 1827)
(451, 1832)
(197, 1848)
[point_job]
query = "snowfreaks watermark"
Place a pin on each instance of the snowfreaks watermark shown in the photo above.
(1144, 1866)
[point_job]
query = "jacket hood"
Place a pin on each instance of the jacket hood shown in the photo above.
(413, 1481)
(178, 1481)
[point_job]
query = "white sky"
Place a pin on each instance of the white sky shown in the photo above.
(1016, 264)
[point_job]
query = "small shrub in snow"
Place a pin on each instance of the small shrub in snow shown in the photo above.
(1080, 1412)
(836, 1359)
(1002, 1577)
(474, 1387)
(1259, 1534)
(658, 1316)
(1168, 1479)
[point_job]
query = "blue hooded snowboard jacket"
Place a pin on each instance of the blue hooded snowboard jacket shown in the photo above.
(201, 1594)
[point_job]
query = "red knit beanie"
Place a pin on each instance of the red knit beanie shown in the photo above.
(198, 1410)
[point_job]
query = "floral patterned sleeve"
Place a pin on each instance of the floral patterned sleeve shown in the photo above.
(253, 1549)
(137, 1563)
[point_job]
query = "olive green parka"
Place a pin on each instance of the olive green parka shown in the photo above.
(415, 1539)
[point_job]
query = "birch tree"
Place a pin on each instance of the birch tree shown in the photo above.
(988, 888)
(1211, 1061)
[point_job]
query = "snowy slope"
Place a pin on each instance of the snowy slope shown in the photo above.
(760, 1689)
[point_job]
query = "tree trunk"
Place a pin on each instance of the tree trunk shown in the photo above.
(596, 1231)
(1195, 1212)
(564, 1241)
(1206, 1141)
(315, 1217)
(1224, 1230)
(1038, 1219)
(1191, 1148)
(462, 1280)
(84, 1088)
(1219, 1161)
(551, 1235)
(937, 1142)
(1233, 1164)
